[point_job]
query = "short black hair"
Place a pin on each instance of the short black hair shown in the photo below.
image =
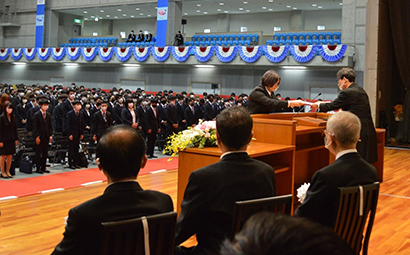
(268, 233)
(234, 127)
(120, 151)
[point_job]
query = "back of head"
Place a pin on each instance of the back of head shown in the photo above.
(347, 72)
(234, 127)
(270, 78)
(267, 233)
(120, 151)
(345, 127)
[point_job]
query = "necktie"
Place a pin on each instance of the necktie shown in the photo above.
(155, 112)
(44, 116)
(104, 117)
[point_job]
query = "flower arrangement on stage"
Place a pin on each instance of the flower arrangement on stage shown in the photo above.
(202, 135)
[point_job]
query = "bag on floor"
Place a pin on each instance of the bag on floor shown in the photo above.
(82, 159)
(26, 166)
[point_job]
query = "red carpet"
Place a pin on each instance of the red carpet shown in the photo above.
(44, 183)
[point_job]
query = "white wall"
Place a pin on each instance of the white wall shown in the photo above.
(332, 19)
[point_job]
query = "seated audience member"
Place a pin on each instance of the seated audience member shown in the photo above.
(140, 37)
(121, 154)
(148, 38)
(266, 233)
(209, 199)
(349, 169)
(131, 37)
(179, 39)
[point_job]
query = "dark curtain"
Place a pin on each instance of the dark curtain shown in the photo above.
(399, 11)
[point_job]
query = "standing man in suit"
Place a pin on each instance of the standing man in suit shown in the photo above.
(354, 99)
(66, 107)
(152, 120)
(181, 113)
(191, 115)
(121, 155)
(102, 121)
(172, 116)
(141, 113)
(349, 169)
(211, 192)
(262, 98)
(75, 132)
(30, 114)
(42, 133)
(210, 108)
(117, 110)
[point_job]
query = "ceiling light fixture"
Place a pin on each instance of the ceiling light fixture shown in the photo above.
(132, 16)
(137, 9)
(70, 64)
(294, 67)
(218, 10)
(264, 7)
(320, 7)
(288, 6)
(245, 2)
(119, 10)
(248, 10)
(205, 12)
(294, 8)
(85, 11)
(131, 65)
(141, 14)
(221, 4)
(101, 10)
(241, 9)
(19, 63)
(198, 11)
(199, 5)
(314, 5)
(204, 66)
(225, 11)
(108, 15)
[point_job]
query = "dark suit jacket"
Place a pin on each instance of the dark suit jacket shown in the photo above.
(120, 201)
(209, 112)
(200, 110)
(20, 114)
(131, 38)
(261, 102)
(141, 112)
(8, 129)
(127, 117)
(41, 128)
(322, 198)
(172, 115)
(191, 118)
(75, 125)
(140, 37)
(149, 37)
(100, 125)
(153, 122)
(355, 100)
(87, 117)
(65, 108)
(210, 195)
(116, 113)
(30, 116)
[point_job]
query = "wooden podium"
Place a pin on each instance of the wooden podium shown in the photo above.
(304, 130)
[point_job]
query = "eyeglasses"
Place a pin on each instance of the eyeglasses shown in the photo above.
(327, 132)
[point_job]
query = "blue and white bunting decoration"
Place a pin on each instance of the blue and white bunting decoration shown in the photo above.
(105, 53)
(73, 53)
(89, 53)
(161, 53)
(276, 54)
(250, 54)
(204, 54)
(4, 53)
(29, 53)
(16, 53)
(58, 53)
(141, 54)
(181, 54)
(43, 53)
(303, 53)
(332, 53)
(226, 54)
(123, 54)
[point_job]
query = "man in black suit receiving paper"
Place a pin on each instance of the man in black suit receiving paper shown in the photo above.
(120, 156)
(354, 99)
(211, 192)
(349, 169)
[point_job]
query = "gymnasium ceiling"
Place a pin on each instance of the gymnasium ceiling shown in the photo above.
(204, 7)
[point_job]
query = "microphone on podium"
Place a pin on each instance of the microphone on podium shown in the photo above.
(301, 108)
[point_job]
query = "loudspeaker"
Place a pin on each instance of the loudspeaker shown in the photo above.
(183, 21)
(214, 85)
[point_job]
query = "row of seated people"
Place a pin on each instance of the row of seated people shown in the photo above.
(208, 204)
(306, 38)
(223, 40)
(91, 42)
(140, 40)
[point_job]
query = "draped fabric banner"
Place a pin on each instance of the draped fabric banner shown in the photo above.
(16, 53)
(161, 53)
(226, 54)
(141, 54)
(332, 53)
(162, 21)
(43, 53)
(58, 53)
(303, 53)
(181, 54)
(105, 53)
(29, 53)
(123, 54)
(276, 54)
(250, 54)
(89, 53)
(40, 23)
(73, 53)
(204, 54)
(4, 53)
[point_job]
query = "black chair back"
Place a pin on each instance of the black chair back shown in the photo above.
(127, 237)
(245, 209)
(357, 206)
